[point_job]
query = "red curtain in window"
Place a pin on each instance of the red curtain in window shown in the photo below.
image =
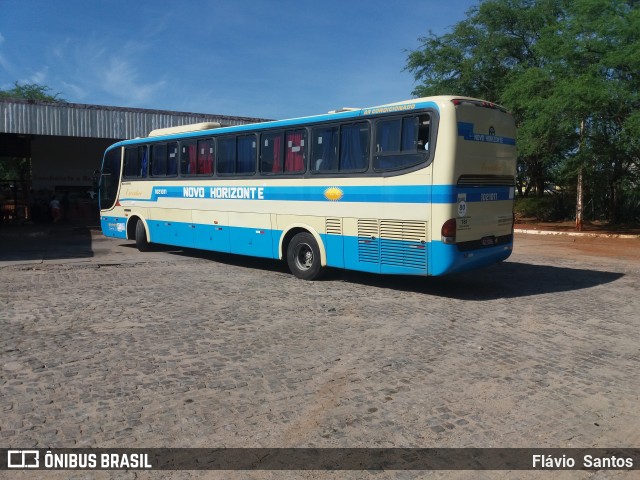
(193, 166)
(294, 161)
(277, 154)
(205, 158)
(209, 159)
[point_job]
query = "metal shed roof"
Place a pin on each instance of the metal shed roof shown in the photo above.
(96, 121)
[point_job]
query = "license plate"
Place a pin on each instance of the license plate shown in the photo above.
(488, 241)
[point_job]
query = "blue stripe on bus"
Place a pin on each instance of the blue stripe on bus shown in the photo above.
(466, 131)
(399, 257)
(439, 194)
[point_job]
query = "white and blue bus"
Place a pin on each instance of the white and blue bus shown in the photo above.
(419, 187)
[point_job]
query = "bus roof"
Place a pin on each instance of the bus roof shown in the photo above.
(193, 127)
(186, 131)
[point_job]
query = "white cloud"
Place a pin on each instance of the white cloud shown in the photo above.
(121, 78)
(38, 77)
(59, 51)
(4, 63)
(73, 92)
(106, 71)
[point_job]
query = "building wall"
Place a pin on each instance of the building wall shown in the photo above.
(96, 121)
(65, 143)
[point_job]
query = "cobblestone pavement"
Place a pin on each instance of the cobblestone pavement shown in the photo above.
(115, 348)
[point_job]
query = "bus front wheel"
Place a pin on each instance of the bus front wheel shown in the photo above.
(303, 257)
(141, 237)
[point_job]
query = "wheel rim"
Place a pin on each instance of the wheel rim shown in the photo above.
(304, 256)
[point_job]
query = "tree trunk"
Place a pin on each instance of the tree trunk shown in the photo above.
(580, 185)
(579, 200)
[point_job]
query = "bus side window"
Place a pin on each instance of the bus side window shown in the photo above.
(271, 153)
(143, 159)
(324, 154)
(354, 146)
(227, 155)
(205, 157)
(135, 162)
(409, 134)
(388, 136)
(424, 131)
(295, 157)
(247, 149)
(401, 142)
(188, 158)
(159, 160)
(172, 159)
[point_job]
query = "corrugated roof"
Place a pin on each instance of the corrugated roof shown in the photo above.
(96, 121)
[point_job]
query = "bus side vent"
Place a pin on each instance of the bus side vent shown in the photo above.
(333, 226)
(403, 243)
(368, 241)
(486, 180)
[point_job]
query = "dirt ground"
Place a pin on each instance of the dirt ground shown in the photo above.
(625, 249)
(569, 226)
(596, 240)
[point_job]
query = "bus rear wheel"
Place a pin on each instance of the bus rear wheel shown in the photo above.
(141, 237)
(303, 257)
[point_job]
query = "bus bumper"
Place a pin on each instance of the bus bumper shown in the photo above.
(114, 226)
(444, 259)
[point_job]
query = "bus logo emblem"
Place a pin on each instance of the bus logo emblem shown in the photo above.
(333, 193)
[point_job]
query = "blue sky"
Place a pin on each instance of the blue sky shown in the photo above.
(255, 58)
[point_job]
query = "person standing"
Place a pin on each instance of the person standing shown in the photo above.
(56, 209)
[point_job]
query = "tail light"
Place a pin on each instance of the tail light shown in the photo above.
(448, 231)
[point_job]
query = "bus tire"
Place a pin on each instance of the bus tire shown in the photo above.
(303, 257)
(141, 237)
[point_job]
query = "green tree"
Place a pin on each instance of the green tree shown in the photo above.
(595, 60)
(31, 91)
(569, 72)
(14, 168)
